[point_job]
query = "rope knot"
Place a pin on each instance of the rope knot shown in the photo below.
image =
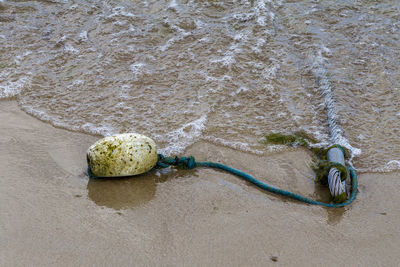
(191, 162)
(183, 162)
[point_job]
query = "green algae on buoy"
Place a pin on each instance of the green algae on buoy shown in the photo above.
(122, 155)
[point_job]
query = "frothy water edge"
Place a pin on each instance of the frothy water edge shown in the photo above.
(337, 134)
(247, 66)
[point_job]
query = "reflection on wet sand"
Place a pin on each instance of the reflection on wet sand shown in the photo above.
(122, 193)
(129, 192)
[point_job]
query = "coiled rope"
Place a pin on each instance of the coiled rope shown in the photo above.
(190, 163)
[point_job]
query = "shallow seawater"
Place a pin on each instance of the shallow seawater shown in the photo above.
(228, 72)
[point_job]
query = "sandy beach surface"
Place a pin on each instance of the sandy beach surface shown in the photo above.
(53, 215)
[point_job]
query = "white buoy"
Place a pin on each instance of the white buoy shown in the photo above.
(337, 187)
(122, 155)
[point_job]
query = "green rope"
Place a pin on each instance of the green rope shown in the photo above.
(190, 163)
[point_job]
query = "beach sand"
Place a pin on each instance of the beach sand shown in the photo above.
(53, 215)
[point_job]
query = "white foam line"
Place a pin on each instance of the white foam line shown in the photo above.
(390, 166)
(57, 121)
(235, 145)
(179, 139)
(10, 88)
(336, 133)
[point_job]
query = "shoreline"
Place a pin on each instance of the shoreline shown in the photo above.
(52, 214)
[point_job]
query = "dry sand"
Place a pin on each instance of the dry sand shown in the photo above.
(53, 215)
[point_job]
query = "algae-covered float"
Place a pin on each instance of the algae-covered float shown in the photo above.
(122, 155)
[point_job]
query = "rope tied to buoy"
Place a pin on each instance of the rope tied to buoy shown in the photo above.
(190, 163)
(131, 154)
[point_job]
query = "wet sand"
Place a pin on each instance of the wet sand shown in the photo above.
(52, 214)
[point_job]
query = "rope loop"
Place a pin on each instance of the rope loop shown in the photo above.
(190, 163)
